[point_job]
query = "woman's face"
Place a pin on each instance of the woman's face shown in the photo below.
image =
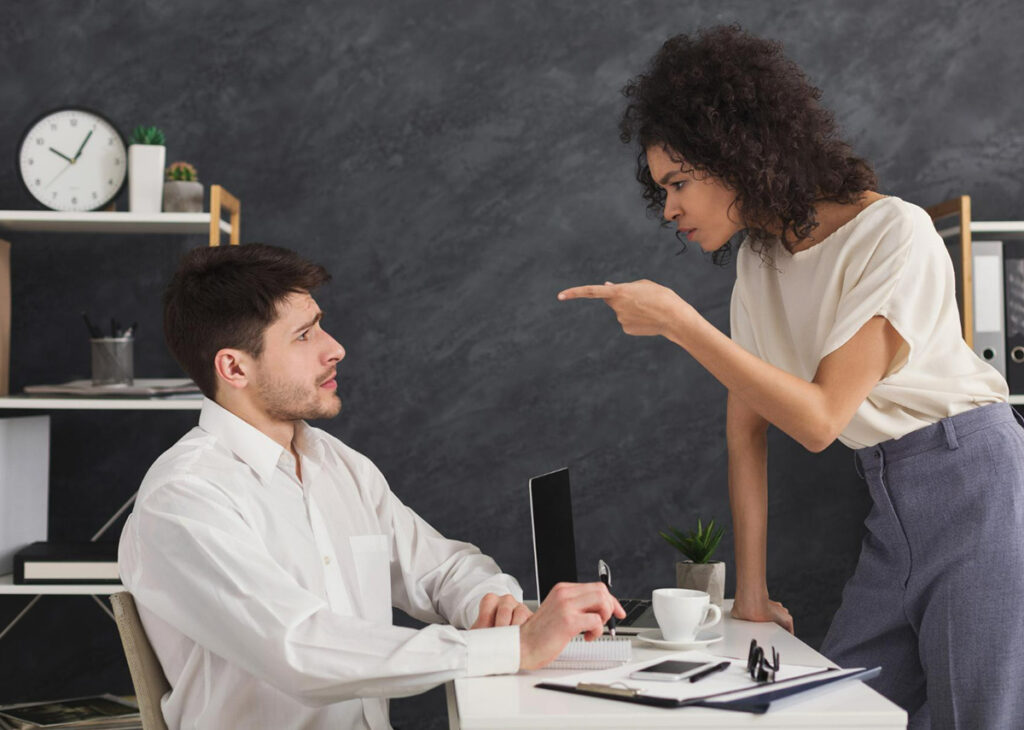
(700, 205)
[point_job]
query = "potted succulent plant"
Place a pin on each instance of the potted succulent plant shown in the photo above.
(146, 157)
(699, 571)
(183, 193)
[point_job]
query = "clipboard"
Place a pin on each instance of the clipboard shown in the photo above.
(755, 700)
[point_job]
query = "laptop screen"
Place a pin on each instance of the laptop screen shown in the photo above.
(554, 544)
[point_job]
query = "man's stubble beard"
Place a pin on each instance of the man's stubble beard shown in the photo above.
(292, 402)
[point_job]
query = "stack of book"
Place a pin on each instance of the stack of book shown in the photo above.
(101, 712)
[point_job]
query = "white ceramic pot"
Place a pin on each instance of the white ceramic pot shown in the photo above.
(707, 577)
(146, 177)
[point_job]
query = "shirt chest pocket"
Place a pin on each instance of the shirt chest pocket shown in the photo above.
(371, 555)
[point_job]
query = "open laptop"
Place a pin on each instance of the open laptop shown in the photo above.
(554, 547)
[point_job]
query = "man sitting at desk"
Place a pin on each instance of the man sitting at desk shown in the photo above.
(265, 555)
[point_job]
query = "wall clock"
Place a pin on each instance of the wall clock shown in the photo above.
(72, 159)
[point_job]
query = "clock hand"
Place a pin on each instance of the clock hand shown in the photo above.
(78, 154)
(61, 154)
(65, 169)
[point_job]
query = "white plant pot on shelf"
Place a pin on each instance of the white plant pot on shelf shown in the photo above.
(146, 177)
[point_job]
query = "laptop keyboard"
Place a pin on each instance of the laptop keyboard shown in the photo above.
(633, 607)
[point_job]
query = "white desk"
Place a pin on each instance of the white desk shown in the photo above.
(511, 701)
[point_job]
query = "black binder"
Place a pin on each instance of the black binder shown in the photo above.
(757, 704)
(1013, 296)
(69, 562)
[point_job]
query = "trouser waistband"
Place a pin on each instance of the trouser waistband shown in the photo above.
(944, 433)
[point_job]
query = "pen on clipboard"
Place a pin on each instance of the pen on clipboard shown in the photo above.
(720, 667)
(605, 574)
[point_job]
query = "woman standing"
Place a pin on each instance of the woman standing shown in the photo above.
(844, 325)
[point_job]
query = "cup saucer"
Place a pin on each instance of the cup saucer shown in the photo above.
(702, 639)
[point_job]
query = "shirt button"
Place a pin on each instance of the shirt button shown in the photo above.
(327, 560)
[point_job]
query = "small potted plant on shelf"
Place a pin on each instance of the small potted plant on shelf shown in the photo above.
(699, 571)
(146, 157)
(183, 193)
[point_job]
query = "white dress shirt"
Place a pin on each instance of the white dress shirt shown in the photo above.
(268, 600)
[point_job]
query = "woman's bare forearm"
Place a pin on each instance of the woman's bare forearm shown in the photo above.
(748, 499)
(813, 413)
(797, 407)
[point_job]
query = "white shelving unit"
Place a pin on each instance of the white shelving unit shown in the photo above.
(989, 229)
(100, 404)
(8, 588)
(93, 590)
(48, 221)
(30, 221)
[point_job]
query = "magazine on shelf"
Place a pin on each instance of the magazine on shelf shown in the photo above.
(96, 712)
(141, 388)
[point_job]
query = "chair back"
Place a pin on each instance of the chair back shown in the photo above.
(147, 674)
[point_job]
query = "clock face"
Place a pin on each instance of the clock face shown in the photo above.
(73, 159)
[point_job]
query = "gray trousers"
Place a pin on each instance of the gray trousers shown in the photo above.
(936, 599)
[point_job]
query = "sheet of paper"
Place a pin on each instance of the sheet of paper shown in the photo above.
(733, 678)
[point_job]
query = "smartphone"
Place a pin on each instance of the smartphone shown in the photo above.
(671, 670)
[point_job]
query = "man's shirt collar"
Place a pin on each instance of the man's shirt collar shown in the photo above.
(248, 443)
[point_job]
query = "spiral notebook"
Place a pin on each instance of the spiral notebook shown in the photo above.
(603, 652)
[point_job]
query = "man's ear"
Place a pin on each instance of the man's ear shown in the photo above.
(233, 367)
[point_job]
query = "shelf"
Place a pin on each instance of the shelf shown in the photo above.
(7, 587)
(101, 404)
(61, 222)
(1012, 230)
(1017, 400)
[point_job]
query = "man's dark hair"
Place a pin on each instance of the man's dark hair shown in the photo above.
(227, 296)
(732, 105)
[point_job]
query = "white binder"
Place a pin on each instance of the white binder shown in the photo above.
(989, 315)
(24, 484)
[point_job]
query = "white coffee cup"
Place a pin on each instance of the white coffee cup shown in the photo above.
(682, 612)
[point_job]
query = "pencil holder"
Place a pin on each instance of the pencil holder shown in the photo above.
(112, 362)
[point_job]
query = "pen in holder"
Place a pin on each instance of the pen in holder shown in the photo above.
(112, 362)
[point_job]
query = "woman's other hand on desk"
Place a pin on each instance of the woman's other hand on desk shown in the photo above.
(498, 610)
(761, 608)
(568, 610)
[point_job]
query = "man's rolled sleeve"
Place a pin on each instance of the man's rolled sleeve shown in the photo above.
(492, 651)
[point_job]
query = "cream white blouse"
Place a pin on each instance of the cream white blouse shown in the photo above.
(887, 261)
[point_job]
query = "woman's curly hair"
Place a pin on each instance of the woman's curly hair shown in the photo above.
(733, 106)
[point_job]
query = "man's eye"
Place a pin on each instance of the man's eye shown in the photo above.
(304, 336)
(679, 185)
